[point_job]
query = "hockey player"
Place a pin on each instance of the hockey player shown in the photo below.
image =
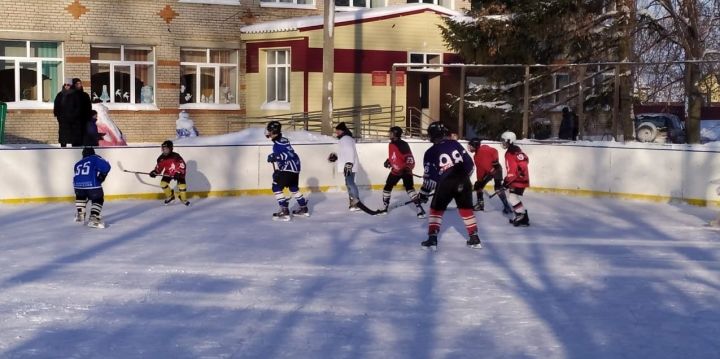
(447, 172)
(517, 178)
(347, 161)
(171, 166)
(487, 166)
(401, 162)
(286, 164)
(90, 172)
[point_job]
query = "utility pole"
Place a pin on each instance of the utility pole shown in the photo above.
(328, 65)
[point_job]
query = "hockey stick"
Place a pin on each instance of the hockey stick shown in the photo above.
(375, 212)
(129, 171)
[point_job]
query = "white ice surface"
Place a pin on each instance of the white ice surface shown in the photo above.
(591, 278)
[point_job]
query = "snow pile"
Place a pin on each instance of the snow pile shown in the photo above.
(254, 136)
(710, 130)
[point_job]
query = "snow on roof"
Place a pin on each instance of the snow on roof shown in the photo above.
(298, 23)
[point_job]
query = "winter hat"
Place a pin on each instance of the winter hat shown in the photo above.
(342, 127)
(75, 80)
(68, 81)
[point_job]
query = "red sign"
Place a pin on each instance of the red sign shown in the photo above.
(379, 78)
(399, 78)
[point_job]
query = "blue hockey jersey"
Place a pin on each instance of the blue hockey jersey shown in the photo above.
(88, 172)
(285, 157)
(447, 158)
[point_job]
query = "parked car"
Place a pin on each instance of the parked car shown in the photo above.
(653, 127)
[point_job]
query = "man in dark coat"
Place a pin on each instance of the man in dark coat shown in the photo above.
(64, 129)
(76, 108)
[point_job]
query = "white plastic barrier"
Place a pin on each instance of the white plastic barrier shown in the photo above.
(654, 172)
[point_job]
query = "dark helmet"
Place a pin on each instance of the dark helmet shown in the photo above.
(167, 144)
(273, 127)
(396, 131)
(474, 142)
(436, 131)
(88, 151)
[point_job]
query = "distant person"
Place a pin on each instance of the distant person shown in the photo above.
(566, 125)
(90, 173)
(171, 166)
(286, 173)
(76, 107)
(401, 163)
(517, 178)
(64, 127)
(488, 168)
(347, 160)
(92, 136)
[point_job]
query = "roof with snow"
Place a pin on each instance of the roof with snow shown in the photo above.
(341, 18)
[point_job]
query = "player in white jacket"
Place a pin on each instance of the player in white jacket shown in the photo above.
(347, 162)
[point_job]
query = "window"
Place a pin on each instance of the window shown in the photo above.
(30, 72)
(425, 58)
(208, 76)
(122, 74)
(353, 3)
(444, 3)
(306, 4)
(218, 2)
(278, 76)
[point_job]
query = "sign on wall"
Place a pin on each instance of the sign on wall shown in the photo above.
(379, 78)
(400, 78)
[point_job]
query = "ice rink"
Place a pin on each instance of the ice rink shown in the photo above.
(590, 278)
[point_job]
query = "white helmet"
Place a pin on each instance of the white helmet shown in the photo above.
(508, 137)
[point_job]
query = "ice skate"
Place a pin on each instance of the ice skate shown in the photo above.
(521, 219)
(186, 203)
(96, 222)
(80, 217)
(430, 243)
(169, 200)
(302, 211)
(479, 207)
(420, 212)
(474, 241)
(282, 215)
(353, 207)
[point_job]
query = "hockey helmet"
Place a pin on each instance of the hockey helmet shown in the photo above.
(167, 144)
(436, 131)
(474, 142)
(273, 128)
(508, 137)
(396, 131)
(88, 151)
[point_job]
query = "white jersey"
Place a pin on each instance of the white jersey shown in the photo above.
(347, 153)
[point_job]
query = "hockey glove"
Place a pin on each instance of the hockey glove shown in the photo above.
(152, 174)
(101, 177)
(333, 157)
(271, 158)
(387, 164)
(347, 170)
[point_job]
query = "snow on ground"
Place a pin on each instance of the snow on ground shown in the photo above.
(591, 278)
(254, 136)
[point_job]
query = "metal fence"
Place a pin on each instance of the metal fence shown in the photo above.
(601, 100)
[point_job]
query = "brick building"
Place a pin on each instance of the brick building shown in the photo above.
(145, 60)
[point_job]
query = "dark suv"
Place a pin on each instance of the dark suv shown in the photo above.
(650, 127)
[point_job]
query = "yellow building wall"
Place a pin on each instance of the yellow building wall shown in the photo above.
(352, 90)
(256, 91)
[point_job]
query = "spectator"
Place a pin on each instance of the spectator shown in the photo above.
(567, 125)
(76, 107)
(64, 129)
(92, 137)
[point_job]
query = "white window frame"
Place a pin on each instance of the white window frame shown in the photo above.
(33, 104)
(275, 104)
(112, 105)
(368, 5)
(292, 5)
(216, 2)
(425, 62)
(198, 73)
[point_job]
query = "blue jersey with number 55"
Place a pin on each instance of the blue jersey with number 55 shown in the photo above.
(447, 158)
(88, 172)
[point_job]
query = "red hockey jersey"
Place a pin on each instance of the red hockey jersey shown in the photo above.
(486, 160)
(516, 163)
(400, 157)
(170, 164)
